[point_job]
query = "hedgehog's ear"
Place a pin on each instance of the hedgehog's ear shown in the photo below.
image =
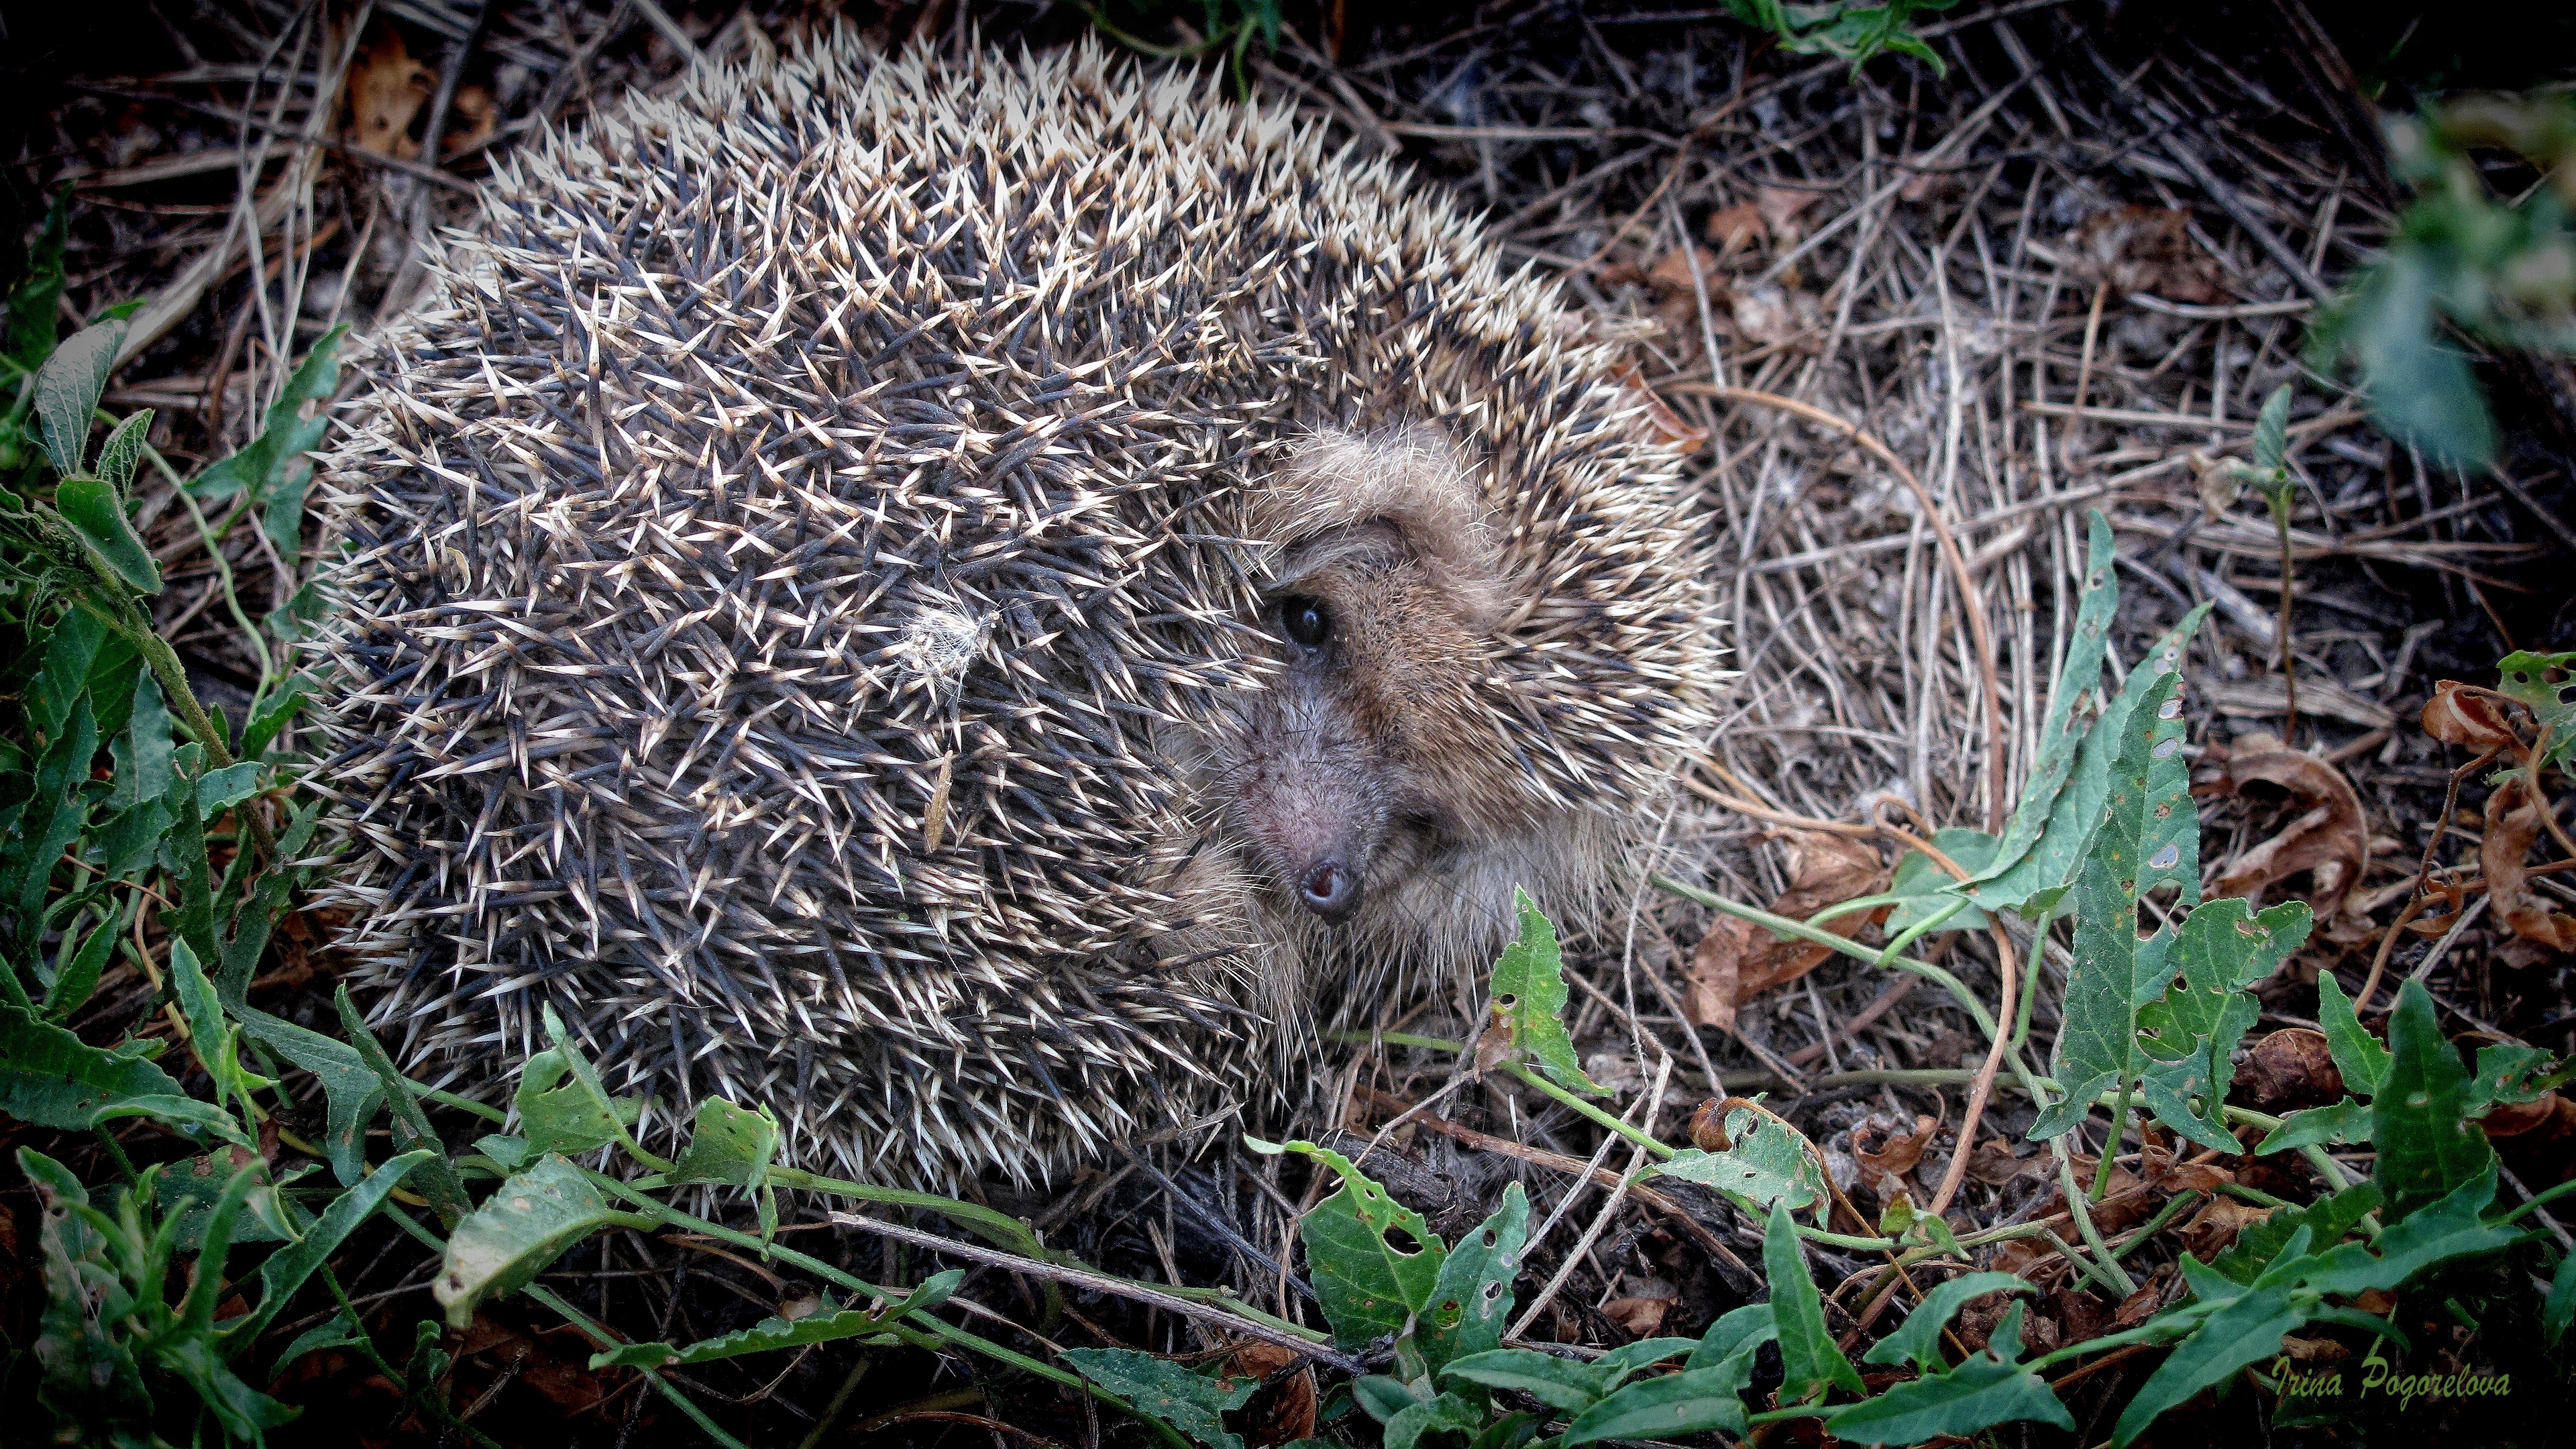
(1410, 483)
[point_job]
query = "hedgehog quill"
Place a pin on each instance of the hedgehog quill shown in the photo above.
(975, 603)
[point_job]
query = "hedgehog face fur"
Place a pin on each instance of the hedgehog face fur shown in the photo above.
(974, 604)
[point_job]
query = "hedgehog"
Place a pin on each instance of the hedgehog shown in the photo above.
(979, 604)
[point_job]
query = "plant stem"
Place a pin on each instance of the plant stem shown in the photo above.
(2111, 1148)
(2289, 671)
(2076, 1209)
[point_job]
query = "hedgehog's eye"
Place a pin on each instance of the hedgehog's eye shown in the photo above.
(1308, 622)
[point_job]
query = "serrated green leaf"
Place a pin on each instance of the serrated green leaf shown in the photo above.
(2448, 1228)
(351, 1090)
(1694, 1401)
(285, 435)
(1980, 1393)
(2192, 1030)
(615, 1116)
(559, 1114)
(1811, 1363)
(122, 450)
(2358, 1057)
(826, 1326)
(528, 1222)
(1556, 1382)
(68, 386)
(2245, 1331)
(1917, 1339)
(2345, 1123)
(2035, 883)
(1472, 1296)
(1529, 995)
(2545, 684)
(2328, 1220)
(97, 517)
(1763, 1163)
(285, 1271)
(2147, 818)
(1190, 1402)
(1375, 1261)
(2419, 1120)
(54, 1079)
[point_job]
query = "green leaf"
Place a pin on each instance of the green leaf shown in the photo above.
(1923, 888)
(1472, 1296)
(2419, 1121)
(2560, 1306)
(2245, 1331)
(1737, 1331)
(81, 656)
(2328, 1220)
(267, 466)
(729, 1145)
(285, 1270)
(1810, 1361)
(1985, 1390)
(79, 974)
(274, 712)
(211, 1037)
(2222, 949)
(2434, 1234)
(2358, 1057)
(1556, 1382)
(1627, 1358)
(294, 621)
(1446, 1414)
(2511, 1073)
(143, 751)
(55, 815)
(2059, 733)
(2345, 1123)
(2421, 389)
(1917, 1340)
(122, 450)
(89, 1376)
(2141, 842)
(97, 517)
(351, 1090)
(1190, 1402)
(68, 386)
(560, 1114)
(612, 1114)
(1383, 1397)
(1691, 1402)
(339, 1331)
(2034, 884)
(2272, 433)
(2546, 684)
(1374, 1260)
(188, 1191)
(1763, 1164)
(1529, 995)
(411, 1129)
(824, 1326)
(528, 1222)
(52, 1078)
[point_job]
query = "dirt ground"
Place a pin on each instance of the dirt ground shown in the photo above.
(1912, 325)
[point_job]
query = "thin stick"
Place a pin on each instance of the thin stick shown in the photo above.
(1609, 1210)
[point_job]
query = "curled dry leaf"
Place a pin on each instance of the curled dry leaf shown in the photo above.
(1670, 427)
(387, 88)
(1738, 960)
(1779, 207)
(2330, 841)
(1882, 1171)
(1642, 1317)
(1736, 228)
(1284, 1412)
(2464, 714)
(2288, 1070)
(2167, 1174)
(2140, 1306)
(2513, 827)
(2217, 1224)
(1672, 274)
(2146, 249)
(2537, 1138)
(1994, 1165)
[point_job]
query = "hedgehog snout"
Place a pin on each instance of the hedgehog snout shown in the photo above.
(1307, 795)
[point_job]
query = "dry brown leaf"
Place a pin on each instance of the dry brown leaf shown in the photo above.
(1673, 272)
(2217, 1224)
(1670, 427)
(471, 119)
(1881, 1171)
(2140, 1306)
(1642, 1317)
(1775, 315)
(2079, 1315)
(1737, 960)
(1779, 207)
(2146, 249)
(2330, 841)
(2464, 714)
(1994, 1165)
(387, 88)
(1284, 1412)
(1737, 227)
(2167, 1174)
(2290, 1069)
(2513, 827)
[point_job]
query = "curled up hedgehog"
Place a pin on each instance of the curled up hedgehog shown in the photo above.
(976, 603)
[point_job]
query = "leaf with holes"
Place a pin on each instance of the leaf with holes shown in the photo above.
(2546, 684)
(2193, 1028)
(1472, 1296)
(528, 1222)
(1528, 1012)
(1764, 1162)
(1375, 1261)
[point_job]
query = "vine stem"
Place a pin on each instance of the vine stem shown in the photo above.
(2289, 672)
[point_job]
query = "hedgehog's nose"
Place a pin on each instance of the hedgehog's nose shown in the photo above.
(1330, 889)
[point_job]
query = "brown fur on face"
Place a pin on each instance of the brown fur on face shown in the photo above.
(1379, 806)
